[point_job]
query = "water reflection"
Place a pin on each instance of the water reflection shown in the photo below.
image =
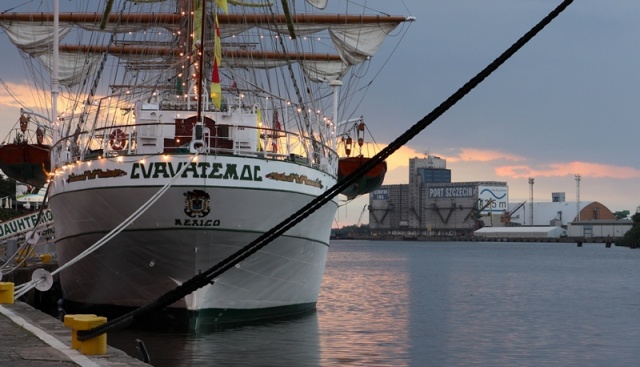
(364, 309)
(284, 342)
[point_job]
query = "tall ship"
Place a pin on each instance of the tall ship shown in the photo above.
(180, 131)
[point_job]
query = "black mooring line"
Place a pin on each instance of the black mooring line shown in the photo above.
(207, 277)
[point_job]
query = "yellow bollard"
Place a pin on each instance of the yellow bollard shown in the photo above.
(93, 346)
(69, 321)
(6, 293)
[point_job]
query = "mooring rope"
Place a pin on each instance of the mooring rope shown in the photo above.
(26, 287)
(207, 277)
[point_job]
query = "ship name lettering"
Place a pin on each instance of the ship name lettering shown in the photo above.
(197, 222)
(229, 171)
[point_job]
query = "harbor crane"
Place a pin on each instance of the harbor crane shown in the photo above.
(475, 212)
(506, 217)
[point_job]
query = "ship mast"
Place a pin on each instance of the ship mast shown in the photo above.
(55, 83)
(199, 122)
(335, 84)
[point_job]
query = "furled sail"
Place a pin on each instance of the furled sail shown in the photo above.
(320, 4)
(355, 38)
(73, 67)
(355, 45)
(34, 39)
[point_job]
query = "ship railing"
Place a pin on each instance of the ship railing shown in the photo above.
(160, 138)
(28, 136)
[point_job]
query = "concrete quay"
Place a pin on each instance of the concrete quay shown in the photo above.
(31, 338)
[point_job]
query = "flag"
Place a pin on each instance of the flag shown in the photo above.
(217, 51)
(197, 24)
(216, 88)
(179, 91)
(276, 122)
(222, 4)
(258, 130)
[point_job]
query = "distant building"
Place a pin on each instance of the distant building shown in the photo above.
(599, 228)
(389, 207)
(518, 232)
(432, 205)
(559, 213)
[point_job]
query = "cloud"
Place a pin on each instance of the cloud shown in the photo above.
(470, 161)
(20, 91)
(401, 157)
(586, 169)
(398, 165)
(481, 155)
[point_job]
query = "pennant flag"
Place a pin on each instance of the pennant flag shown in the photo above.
(222, 4)
(217, 51)
(216, 88)
(179, 86)
(276, 122)
(197, 24)
(259, 130)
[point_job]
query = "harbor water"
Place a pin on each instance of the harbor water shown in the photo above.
(417, 303)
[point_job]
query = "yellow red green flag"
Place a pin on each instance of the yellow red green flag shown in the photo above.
(216, 88)
(222, 4)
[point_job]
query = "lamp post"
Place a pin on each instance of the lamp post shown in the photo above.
(578, 178)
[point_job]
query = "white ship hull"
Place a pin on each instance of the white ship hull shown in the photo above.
(175, 240)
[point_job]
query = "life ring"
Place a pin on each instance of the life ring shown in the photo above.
(117, 139)
(196, 146)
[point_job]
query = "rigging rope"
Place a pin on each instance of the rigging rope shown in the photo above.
(207, 277)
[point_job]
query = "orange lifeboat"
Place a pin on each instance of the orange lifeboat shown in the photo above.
(365, 184)
(25, 161)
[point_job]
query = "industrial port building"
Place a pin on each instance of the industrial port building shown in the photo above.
(432, 205)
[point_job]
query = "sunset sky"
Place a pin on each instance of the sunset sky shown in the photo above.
(566, 104)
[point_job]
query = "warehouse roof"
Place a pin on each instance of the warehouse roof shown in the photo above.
(541, 231)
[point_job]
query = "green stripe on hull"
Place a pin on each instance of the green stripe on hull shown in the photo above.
(174, 319)
(215, 318)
